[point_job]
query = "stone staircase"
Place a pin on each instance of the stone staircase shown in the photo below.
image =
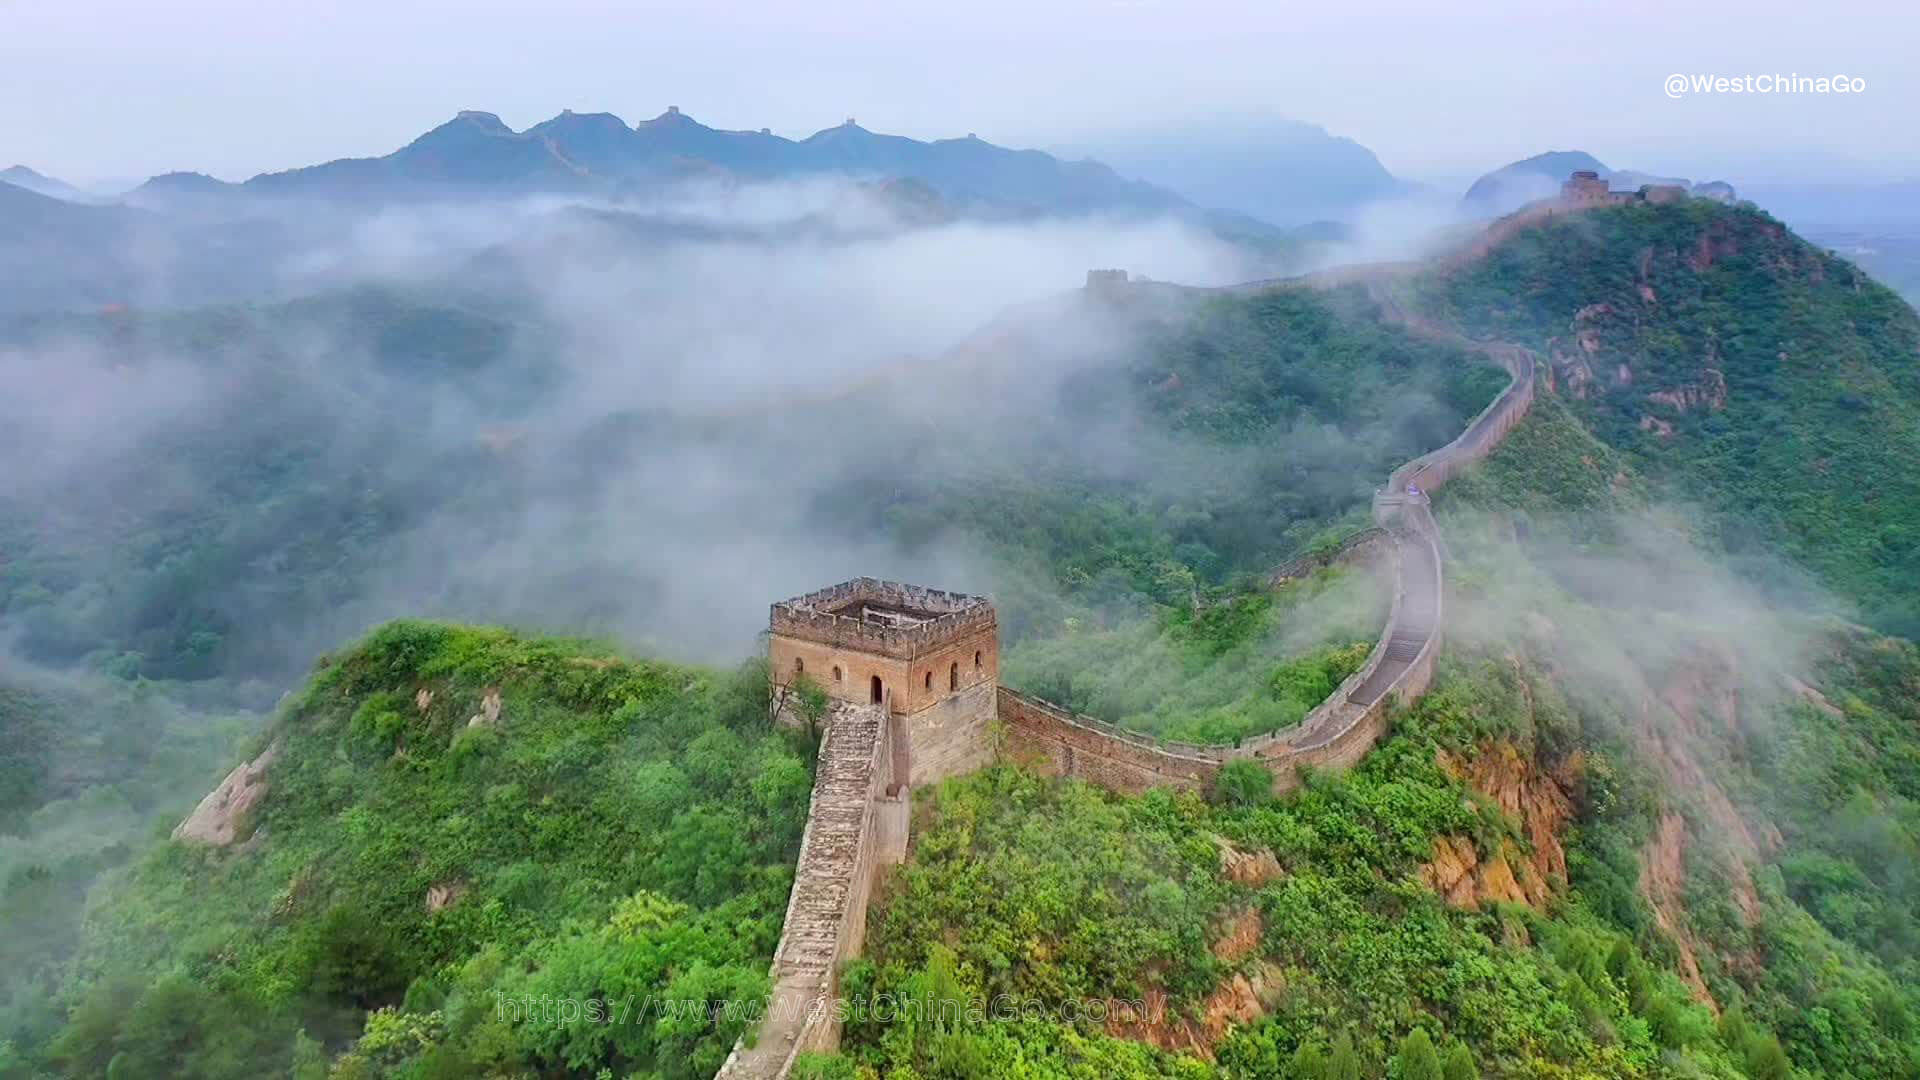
(826, 911)
(836, 827)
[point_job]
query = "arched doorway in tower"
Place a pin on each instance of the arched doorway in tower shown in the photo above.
(876, 689)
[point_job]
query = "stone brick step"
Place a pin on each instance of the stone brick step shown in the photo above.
(817, 946)
(823, 886)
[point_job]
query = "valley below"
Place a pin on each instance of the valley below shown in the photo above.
(443, 566)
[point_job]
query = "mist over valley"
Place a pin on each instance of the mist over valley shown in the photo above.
(1240, 595)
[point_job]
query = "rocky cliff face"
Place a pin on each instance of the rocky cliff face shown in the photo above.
(1538, 800)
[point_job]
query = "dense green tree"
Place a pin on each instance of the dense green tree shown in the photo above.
(627, 835)
(1417, 1059)
(1243, 782)
(1766, 1060)
(1309, 1062)
(1344, 1062)
(1460, 1064)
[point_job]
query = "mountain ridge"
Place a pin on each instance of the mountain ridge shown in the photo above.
(1276, 169)
(574, 152)
(39, 183)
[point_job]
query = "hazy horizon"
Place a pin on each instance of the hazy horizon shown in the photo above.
(101, 91)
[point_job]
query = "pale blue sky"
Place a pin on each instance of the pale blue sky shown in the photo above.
(93, 89)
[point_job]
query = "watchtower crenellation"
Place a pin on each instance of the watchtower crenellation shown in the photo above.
(931, 656)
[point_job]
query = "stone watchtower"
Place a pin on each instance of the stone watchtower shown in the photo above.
(1585, 186)
(932, 658)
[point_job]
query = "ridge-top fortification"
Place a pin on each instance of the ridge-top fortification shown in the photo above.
(913, 673)
(931, 656)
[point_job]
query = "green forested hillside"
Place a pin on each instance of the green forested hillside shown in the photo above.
(618, 830)
(1051, 893)
(1054, 894)
(296, 448)
(1780, 811)
(1650, 821)
(86, 771)
(1244, 664)
(1771, 382)
(211, 548)
(259, 472)
(1230, 433)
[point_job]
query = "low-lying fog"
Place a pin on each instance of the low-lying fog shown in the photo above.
(630, 419)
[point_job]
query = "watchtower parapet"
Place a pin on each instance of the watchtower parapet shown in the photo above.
(887, 618)
(930, 656)
(1585, 186)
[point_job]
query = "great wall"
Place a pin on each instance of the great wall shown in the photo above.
(872, 755)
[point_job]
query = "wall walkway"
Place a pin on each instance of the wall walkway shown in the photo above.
(855, 827)
(1343, 728)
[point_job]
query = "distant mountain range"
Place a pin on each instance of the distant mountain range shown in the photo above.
(1271, 169)
(475, 153)
(1276, 169)
(22, 177)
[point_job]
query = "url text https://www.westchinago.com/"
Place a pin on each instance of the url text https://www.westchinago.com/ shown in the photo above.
(552, 1009)
(1679, 86)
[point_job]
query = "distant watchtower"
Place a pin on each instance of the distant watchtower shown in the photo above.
(932, 657)
(1584, 186)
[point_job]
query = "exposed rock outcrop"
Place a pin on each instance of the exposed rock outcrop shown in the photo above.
(1239, 999)
(445, 895)
(489, 714)
(1713, 244)
(1250, 868)
(1811, 696)
(1663, 877)
(1538, 799)
(1465, 880)
(1238, 935)
(1710, 392)
(231, 810)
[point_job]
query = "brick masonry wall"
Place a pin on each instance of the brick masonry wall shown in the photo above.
(928, 673)
(1054, 742)
(1363, 546)
(818, 661)
(854, 827)
(1339, 732)
(952, 737)
(957, 612)
(915, 681)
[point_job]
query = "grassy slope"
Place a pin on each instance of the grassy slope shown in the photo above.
(629, 828)
(1241, 666)
(1054, 892)
(1832, 960)
(1814, 451)
(286, 529)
